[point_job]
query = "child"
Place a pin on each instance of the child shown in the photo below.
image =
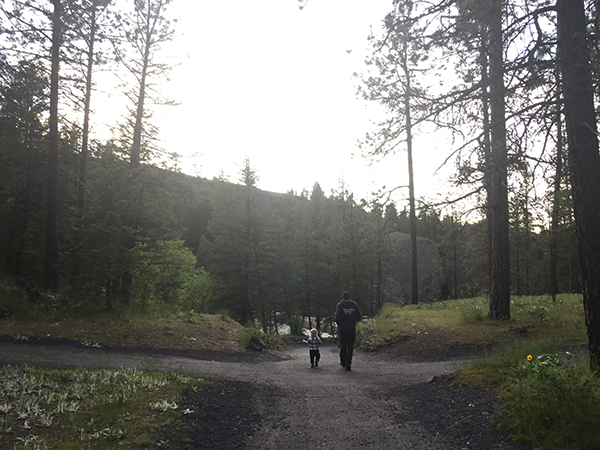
(313, 345)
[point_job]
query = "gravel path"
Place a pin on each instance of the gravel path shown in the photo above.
(275, 400)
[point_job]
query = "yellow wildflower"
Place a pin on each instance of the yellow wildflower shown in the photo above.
(529, 357)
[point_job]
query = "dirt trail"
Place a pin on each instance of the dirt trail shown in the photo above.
(375, 406)
(329, 408)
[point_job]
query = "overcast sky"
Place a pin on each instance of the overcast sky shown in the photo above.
(262, 79)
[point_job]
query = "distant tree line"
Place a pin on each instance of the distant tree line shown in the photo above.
(216, 246)
(101, 225)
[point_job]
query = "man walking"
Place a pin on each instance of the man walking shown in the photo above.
(347, 313)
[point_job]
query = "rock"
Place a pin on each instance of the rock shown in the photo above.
(255, 344)
(522, 328)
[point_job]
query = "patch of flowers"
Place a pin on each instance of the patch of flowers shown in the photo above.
(33, 400)
(537, 364)
(551, 402)
(539, 313)
(163, 405)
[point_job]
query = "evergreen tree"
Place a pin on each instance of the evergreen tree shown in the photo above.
(23, 103)
(582, 134)
(379, 226)
(237, 234)
(144, 30)
(313, 266)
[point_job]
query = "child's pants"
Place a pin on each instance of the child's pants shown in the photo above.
(315, 356)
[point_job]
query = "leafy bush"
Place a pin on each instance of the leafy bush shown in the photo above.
(474, 310)
(551, 405)
(269, 341)
(496, 366)
(26, 301)
(166, 272)
(296, 326)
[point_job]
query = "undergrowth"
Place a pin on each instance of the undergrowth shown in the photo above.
(550, 399)
(465, 321)
(97, 409)
(268, 340)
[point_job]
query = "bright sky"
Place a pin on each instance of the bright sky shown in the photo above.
(262, 79)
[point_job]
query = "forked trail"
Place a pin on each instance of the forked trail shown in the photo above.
(370, 407)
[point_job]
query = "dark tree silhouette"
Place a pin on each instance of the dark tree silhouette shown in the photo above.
(51, 270)
(500, 250)
(582, 136)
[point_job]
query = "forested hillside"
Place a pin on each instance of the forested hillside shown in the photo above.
(105, 224)
(152, 236)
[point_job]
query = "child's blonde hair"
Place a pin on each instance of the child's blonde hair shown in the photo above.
(313, 332)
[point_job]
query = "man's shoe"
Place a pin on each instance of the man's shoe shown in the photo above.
(316, 364)
(348, 369)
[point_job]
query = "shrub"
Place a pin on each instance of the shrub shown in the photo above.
(165, 272)
(473, 310)
(296, 326)
(551, 405)
(270, 341)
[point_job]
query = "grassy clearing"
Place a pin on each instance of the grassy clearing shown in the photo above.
(550, 400)
(551, 403)
(465, 321)
(105, 409)
(152, 328)
(177, 330)
(95, 409)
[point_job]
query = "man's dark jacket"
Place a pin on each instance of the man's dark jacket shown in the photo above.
(347, 313)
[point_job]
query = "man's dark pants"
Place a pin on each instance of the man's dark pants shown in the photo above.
(347, 338)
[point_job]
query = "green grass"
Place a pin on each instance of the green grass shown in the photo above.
(465, 321)
(161, 327)
(269, 340)
(549, 406)
(96, 409)
(550, 399)
(181, 330)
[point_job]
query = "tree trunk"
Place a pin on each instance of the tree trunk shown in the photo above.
(487, 153)
(83, 155)
(556, 196)
(414, 277)
(86, 114)
(455, 265)
(138, 127)
(139, 114)
(574, 60)
(308, 306)
(500, 250)
(379, 288)
(51, 270)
